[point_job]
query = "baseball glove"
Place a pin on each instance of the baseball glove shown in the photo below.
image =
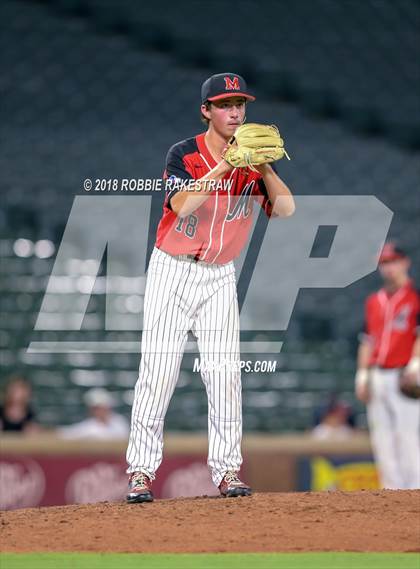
(254, 144)
(407, 388)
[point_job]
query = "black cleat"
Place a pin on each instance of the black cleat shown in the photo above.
(231, 486)
(139, 488)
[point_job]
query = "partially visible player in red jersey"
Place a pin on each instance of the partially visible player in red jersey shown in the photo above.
(390, 347)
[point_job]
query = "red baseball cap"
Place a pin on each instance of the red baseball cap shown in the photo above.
(391, 252)
(224, 85)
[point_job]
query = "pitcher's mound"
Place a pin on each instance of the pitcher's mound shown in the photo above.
(332, 521)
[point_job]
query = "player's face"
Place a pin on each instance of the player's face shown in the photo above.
(18, 393)
(100, 412)
(394, 271)
(227, 114)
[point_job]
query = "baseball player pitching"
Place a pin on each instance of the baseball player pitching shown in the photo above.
(212, 181)
(388, 375)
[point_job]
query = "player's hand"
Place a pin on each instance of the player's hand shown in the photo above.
(409, 378)
(411, 373)
(224, 167)
(363, 393)
(362, 386)
(223, 164)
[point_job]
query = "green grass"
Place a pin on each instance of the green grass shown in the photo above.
(210, 561)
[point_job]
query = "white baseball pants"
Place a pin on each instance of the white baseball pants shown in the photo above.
(182, 296)
(394, 424)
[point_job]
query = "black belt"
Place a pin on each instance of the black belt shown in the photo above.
(190, 257)
(194, 259)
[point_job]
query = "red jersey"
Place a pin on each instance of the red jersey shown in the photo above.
(217, 230)
(391, 322)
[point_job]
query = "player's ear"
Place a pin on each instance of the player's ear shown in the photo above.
(244, 119)
(205, 110)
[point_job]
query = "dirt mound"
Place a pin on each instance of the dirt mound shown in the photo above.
(333, 521)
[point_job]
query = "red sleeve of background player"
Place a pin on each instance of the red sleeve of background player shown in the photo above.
(176, 168)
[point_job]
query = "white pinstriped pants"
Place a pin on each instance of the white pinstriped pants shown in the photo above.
(182, 296)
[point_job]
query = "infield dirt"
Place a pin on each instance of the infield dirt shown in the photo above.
(332, 521)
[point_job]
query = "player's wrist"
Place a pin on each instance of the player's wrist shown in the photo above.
(362, 377)
(265, 169)
(224, 167)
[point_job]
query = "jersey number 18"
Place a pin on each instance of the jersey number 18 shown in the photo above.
(190, 227)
